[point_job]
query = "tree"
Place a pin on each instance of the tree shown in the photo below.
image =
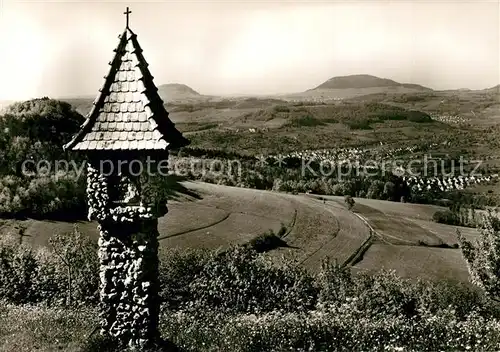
(375, 190)
(389, 190)
(446, 217)
(483, 257)
(77, 254)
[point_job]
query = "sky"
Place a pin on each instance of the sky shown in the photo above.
(62, 48)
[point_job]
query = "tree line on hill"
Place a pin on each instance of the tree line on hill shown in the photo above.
(35, 130)
(340, 181)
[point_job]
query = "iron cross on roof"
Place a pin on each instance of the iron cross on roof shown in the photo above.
(126, 13)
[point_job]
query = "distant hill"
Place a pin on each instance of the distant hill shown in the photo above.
(364, 81)
(177, 91)
(346, 87)
(495, 89)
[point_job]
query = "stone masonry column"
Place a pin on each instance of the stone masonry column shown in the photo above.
(128, 254)
(129, 281)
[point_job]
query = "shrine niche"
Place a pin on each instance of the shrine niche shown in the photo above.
(127, 125)
(126, 191)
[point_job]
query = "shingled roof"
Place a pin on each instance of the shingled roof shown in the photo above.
(128, 113)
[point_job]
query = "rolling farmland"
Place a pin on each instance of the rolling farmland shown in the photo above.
(415, 262)
(375, 235)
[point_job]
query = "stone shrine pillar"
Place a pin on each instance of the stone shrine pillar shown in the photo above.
(128, 124)
(128, 254)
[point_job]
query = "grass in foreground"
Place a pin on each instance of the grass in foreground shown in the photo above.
(37, 328)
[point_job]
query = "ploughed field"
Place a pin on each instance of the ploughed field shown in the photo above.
(374, 235)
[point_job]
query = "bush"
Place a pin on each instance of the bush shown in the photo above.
(239, 280)
(334, 282)
(68, 269)
(267, 241)
(483, 256)
(349, 201)
(364, 312)
(177, 270)
(330, 329)
(19, 274)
